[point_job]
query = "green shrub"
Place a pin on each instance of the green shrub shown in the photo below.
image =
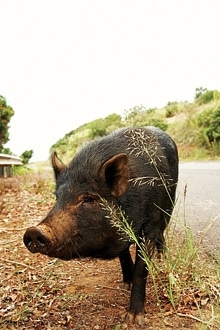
(113, 120)
(157, 122)
(26, 156)
(171, 109)
(134, 112)
(209, 128)
(216, 95)
(97, 128)
(199, 91)
(206, 97)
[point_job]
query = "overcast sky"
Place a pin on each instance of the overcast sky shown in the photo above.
(65, 63)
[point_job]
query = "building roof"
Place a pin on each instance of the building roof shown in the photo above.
(9, 160)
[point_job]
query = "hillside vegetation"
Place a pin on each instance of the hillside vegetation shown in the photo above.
(195, 126)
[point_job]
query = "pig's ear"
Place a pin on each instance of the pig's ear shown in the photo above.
(57, 164)
(115, 173)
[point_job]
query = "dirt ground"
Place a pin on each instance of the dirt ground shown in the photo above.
(37, 292)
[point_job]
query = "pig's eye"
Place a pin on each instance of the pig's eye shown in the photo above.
(88, 199)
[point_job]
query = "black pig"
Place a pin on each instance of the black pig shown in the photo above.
(135, 169)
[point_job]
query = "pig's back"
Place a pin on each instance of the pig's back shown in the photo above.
(146, 147)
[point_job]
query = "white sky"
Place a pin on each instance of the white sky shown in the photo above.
(65, 63)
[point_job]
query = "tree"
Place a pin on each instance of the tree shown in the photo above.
(6, 112)
(199, 91)
(26, 156)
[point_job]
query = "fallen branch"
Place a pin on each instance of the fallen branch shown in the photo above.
(16, 263)
(198, 320)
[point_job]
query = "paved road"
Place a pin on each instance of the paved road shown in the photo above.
(201, 204)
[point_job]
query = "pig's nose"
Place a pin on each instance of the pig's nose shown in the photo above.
(36, 241)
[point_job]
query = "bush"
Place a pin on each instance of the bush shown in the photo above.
(199, 91)
(205, 97)
(171, 109)
(26, 156)
(97, 128)
(136, 111)
(157, 122)
(113, 120)
(209, 128)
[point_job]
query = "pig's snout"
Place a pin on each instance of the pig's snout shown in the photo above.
(36, 240)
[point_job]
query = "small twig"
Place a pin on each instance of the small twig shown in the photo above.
(11, 229)
(198, 320)
(168, 324)
(214, 289)
(16, 262)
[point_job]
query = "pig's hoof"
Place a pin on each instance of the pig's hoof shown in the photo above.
(137, 318)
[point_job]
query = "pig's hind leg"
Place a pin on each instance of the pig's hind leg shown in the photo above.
(160, 241)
